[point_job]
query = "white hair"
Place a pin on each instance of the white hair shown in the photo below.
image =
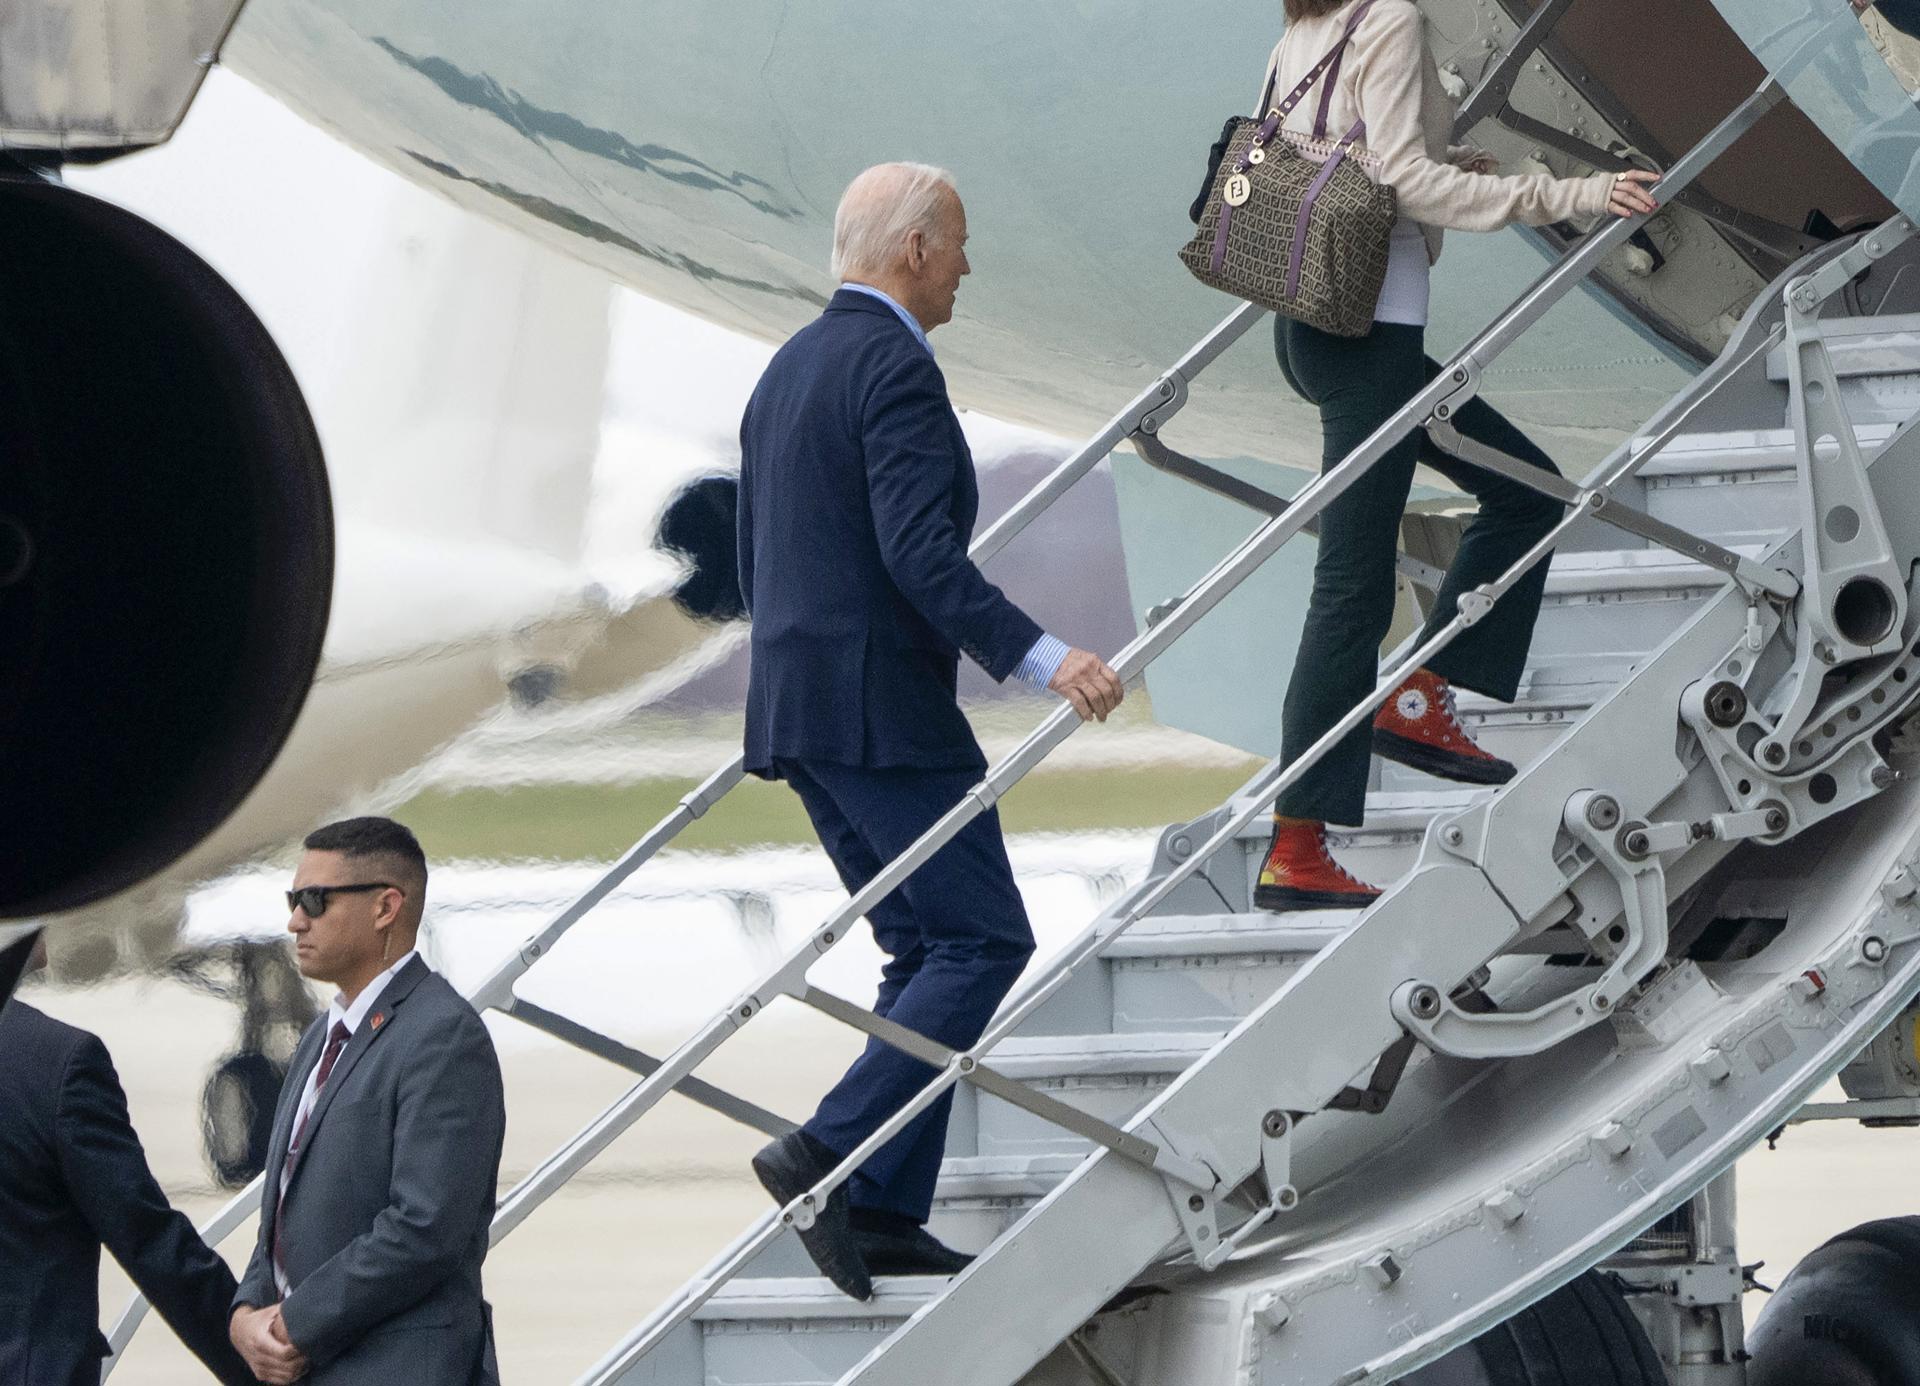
(879, 209)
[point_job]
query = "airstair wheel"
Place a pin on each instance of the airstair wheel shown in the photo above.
(1848, 1315)
(1582, 1334)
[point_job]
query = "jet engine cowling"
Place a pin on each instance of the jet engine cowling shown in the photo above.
(166, 549)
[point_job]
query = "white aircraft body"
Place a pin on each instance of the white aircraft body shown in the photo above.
(697, 152)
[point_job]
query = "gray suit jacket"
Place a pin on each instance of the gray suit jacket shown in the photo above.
(391, 1195)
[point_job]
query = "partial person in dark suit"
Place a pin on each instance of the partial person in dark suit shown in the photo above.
(73, 1176)
(857, 500)
(386, 1144)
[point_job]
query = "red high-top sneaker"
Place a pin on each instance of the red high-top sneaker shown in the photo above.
(1420, 727)
(1300, 874)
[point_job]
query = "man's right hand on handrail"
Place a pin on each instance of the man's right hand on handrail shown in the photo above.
(1087, 682)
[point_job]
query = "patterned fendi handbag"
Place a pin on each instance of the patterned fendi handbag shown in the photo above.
(1308, 240)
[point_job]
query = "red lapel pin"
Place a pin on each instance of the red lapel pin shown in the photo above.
(379, 1019)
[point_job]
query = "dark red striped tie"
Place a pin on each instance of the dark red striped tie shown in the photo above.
(336, 1041)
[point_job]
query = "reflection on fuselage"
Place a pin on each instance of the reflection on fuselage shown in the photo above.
(697, 152)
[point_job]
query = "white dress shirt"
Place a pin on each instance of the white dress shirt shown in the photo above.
(351, 1017)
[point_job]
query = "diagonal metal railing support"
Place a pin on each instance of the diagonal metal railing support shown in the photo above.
(1435, 404)
(968, 1069)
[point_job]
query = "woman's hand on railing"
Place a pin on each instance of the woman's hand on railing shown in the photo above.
(1629, 196)
(1085, 681)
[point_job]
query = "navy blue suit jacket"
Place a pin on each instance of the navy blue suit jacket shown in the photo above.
(72, 1176)
(857, 502)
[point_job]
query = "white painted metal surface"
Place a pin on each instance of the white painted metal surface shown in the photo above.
(78, 76)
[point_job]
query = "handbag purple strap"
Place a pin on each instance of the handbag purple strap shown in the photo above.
(1299, 249)
(1329, 67)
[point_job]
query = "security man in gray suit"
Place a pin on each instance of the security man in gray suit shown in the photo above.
(385, 1156)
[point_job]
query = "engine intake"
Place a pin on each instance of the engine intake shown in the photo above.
(166, 549)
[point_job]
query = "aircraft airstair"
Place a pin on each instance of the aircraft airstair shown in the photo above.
(1212, 1145)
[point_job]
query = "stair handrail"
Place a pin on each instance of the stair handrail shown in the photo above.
(1438, 401)
(1161, 399)
(1253, 799)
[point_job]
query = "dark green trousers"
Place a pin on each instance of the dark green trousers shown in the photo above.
(1357, 382)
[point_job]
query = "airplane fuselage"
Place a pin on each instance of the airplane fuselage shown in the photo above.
(697, 153)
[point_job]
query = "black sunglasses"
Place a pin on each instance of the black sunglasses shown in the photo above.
(312, 900)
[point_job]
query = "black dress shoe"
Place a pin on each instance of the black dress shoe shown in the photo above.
(787, 1169)
(915, 1253)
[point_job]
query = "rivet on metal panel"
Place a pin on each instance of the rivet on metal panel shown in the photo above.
(1615, 1139)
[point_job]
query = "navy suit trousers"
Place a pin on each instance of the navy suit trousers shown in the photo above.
(956, 938)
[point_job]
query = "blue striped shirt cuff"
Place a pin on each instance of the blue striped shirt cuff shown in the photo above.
(1043, 661)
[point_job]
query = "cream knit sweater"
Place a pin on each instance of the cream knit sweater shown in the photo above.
(1389, 78)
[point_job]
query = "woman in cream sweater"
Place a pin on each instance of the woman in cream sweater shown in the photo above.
(1388, 78)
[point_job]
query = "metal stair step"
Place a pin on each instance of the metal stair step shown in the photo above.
(1620, 601)
(1186, 973)
(794, 1331)
(1604, 612)
(1877, 344)
(792, 1299)
(979, 1197)
(1735, 487)
(1107, 1075)
(1384, 847)
(1877, 360)
(1202, 974)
